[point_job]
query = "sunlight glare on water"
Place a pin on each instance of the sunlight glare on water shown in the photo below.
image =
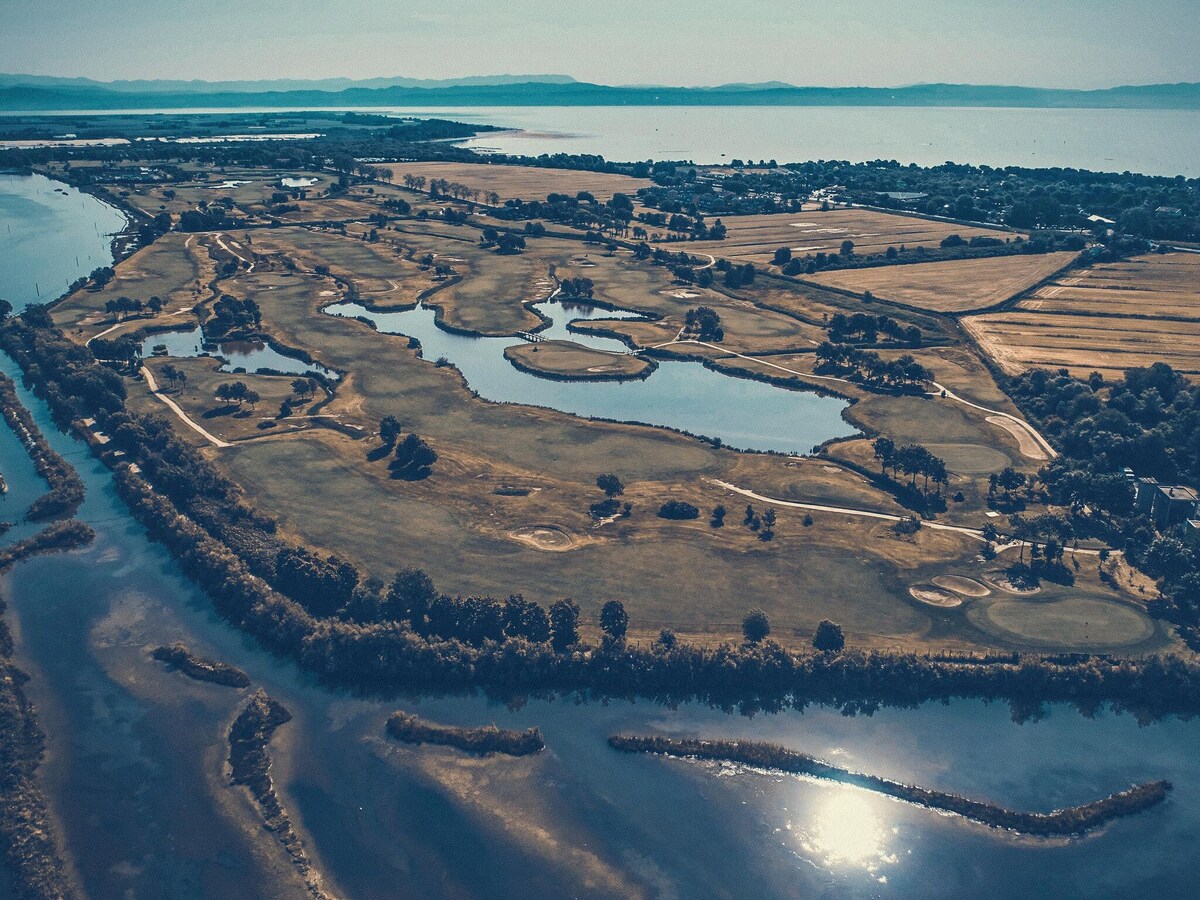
(850, 830)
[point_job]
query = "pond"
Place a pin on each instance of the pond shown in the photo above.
(246, 355)
(683, 395)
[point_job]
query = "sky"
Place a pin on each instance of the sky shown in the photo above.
(1052, 43)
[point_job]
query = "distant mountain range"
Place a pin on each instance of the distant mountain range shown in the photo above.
(33, 93)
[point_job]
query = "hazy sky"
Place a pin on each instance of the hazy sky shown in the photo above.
(1064, 43)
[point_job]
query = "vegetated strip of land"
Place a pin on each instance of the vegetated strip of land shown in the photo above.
(1069, 821)
(489, 739)
(66, 487)
(56, 536)
(232, 552)
(199, 668)
(28, 844)
(250, 765)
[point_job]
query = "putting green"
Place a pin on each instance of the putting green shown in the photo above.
(1071, 624)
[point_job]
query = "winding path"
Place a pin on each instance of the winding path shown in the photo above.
(188, 421)
(887, 517)
(232, 252)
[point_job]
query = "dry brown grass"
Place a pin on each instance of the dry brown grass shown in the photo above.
(956, 286)
(565, 358)
(523, 182)
(1021, 340)
(756, 238)
(1156, 285)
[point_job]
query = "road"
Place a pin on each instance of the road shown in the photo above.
(153, 385)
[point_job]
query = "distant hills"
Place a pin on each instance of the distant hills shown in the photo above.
(33, 93)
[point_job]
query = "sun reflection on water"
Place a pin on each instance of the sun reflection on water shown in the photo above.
(849, 830)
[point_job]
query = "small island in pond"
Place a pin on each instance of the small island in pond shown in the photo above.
(568, 361)
(1072, 820)
(488, 739)
(199, 668)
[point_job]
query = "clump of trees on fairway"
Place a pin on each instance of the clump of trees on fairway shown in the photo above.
(704, 323)
(576, 288)
(237, 392)
(414, 458)
(864, 328)
(613, 488)
(233, 316)
(914, 461)
(678, 509)
(866, 367)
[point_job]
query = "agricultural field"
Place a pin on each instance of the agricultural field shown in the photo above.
(1105, 318)
(1157, 285)
(756, 238)
(518, 182)
(950, 287)
(1020, 340)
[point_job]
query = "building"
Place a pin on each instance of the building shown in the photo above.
(1172, 504)
(1144, 498)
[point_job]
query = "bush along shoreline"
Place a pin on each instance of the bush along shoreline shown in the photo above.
(250, 766)
(320, 611)
(69, 535)
(29, 847)
(66, 487)
(1073, 820)
(482, 741)
(180, 657)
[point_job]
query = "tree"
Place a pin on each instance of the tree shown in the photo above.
(705, 322)
(614, 621)
(409, 597)
(611, 485)
(414, 459)
(389, 430)
(678, 509)
(718, 516)
(756, 626)
(847, 248)
(829, 637)
(782, 256)
(564, 624)
(235, 391)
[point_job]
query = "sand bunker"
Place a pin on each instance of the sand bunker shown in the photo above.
(932, 595)
(543, 537)
(682, 295)
(960, 584)
(999, 579)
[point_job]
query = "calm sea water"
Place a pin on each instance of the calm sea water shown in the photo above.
(1150, 141)
(135, 755)
(49, 235)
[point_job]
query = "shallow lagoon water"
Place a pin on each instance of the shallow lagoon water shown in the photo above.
(132, 752)
(744, 414)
